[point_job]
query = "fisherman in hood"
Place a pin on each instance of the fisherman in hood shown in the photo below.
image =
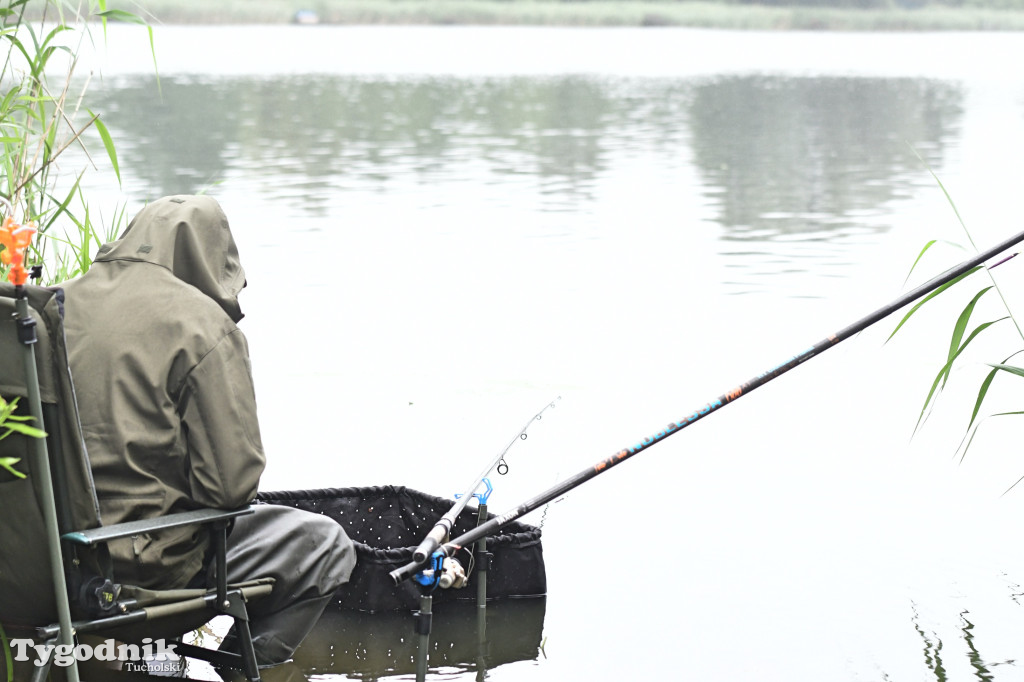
(168, 412)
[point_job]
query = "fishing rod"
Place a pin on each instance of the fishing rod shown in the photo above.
(491, 526)
(444, 525)
(448, 573)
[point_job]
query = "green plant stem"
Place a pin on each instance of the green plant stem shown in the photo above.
(53, 157)
(967, 232)
(1006, 305)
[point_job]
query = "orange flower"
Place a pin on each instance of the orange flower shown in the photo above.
(15, 239)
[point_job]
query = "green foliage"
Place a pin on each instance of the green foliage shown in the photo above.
(40, 120)
(15, 423)
(932, 295)
(958, 343)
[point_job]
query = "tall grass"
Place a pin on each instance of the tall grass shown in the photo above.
(41, 117)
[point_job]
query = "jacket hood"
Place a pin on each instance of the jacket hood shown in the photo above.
(188, 235)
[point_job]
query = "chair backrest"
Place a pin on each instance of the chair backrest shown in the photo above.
(26, 587)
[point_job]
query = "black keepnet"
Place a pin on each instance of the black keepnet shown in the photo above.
(386, 523)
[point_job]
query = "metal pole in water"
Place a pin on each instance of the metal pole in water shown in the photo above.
(423, 621)
(483, 561)
(482, 564)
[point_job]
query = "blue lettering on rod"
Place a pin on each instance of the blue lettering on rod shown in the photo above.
(675, 426)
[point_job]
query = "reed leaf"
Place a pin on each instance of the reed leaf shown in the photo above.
(927, 246)
(1019, 371)
(982, 392)
(969, 440)
(958, 331)
(23, 429)
(120, 15)
(19, 46)
(940, 378)
(949, 199)
(42, 51)
(62, 206)
(928, 400)
(7, 101)
(16, 423)
(930, 244)
(929, 297)
(108, 143)
(8, 463)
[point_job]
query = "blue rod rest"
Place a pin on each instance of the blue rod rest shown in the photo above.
(483, 497)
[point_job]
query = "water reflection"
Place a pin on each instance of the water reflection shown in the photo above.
(371, 646)
(777, 155)
(325, 134)
(787, 156)
(948, 662)
(787, 168)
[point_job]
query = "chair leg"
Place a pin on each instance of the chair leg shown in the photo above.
(41, 672)
(245, 648)
(41, 466)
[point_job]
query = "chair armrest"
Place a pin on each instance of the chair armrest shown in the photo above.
(120, 530)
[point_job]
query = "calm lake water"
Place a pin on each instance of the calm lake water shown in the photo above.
(446, 228)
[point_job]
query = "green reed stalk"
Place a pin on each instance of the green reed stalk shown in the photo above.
(960, 339)
(39, 123)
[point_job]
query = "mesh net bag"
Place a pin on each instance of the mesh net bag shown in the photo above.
(386, 523)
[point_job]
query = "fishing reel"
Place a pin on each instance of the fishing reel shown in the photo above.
(452, 574)
(444, 572)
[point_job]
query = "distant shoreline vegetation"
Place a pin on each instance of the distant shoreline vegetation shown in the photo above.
(838, 15)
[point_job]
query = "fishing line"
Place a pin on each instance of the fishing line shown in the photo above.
(544, 512)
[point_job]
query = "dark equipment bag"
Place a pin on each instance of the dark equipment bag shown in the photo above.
(386, 523)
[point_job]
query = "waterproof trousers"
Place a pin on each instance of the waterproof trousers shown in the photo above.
(308, 555)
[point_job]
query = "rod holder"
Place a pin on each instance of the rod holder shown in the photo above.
(423, 623)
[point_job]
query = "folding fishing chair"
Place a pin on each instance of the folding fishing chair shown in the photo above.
(56, 581)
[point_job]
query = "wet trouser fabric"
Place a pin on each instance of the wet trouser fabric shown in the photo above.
(308, 555)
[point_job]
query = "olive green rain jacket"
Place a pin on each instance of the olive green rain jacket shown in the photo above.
(163, 381)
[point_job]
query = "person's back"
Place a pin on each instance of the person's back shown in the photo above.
(168, 412)
(153, 358)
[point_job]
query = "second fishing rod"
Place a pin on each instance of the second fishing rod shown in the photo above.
(443, 526)
(491, 526)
